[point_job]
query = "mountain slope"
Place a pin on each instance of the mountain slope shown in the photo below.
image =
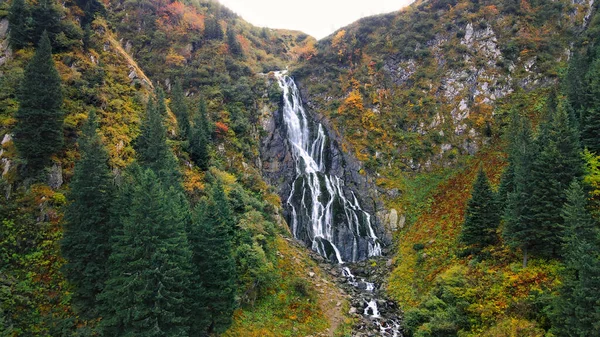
(417, 100)
(423, 98)
(128, 50)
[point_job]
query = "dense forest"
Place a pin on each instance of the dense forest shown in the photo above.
(139, 199)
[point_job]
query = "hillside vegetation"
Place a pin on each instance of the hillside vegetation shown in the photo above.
(62, 231)
(133, 201)
(428, 96)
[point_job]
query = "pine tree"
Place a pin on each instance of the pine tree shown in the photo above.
(213, 30)
(18, 15)
(517, 233)
(556, 166)
(199, 138)
(576, 311)
(213, 258)
(578, 222)
(150, 264)
(590, 133)
(180, 110)
(542, 172)
(573, 84)
(151, 145)
(506, 186)
(39, 128)
(235, 48)
(90, 9)
(85, 243)
(482, 217)
(46, 17)
(160, 102)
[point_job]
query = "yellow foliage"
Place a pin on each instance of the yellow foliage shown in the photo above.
(193, 180)
(305, 52)
(514, 327)
(367, 120)
(353, 103)
(338, 39)
(227, 179)
(174, 59)
(338, 44)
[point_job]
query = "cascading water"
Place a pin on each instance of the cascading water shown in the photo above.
(320, 212)
(384, 319)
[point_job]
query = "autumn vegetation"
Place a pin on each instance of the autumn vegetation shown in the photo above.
(130, 137)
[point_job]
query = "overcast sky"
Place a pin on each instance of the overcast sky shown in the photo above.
(318, 18)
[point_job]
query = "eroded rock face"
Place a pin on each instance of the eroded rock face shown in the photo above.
(55, 178)
(279, 170)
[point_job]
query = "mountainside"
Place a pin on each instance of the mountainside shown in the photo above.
(423, 98)
(110, 57)
(191, 178)
(433, 81)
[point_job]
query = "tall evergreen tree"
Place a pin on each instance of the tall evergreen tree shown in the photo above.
(213, 258)
(542, 172)
(590, 132)
(576, 311)
(85, 243)
(573, 84)
(506, 186)
(555, 167)
(18, 17)
(150, 265)
(151, 145)
(235, 47)
(199, 138)
(46, 16)
(181, 111)
(482, 217)
(578, 221)
(160, 102)
(39, 128)
(90, 9)
(212, 29)
(517, 230)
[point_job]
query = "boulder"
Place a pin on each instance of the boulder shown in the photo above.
(55, 178)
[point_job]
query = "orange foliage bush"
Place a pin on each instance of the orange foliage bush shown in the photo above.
(180, 18)
(221, 128)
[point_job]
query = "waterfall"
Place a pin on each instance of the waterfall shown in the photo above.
(320, 212)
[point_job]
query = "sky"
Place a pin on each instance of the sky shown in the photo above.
(318, 18)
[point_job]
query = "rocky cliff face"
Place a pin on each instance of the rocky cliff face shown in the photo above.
(279, 168)
(432, 79)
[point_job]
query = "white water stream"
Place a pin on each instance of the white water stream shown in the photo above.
(315, 193)
(388, 327)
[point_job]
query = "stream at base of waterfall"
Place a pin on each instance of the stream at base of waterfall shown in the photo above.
(328, 217)
(378, 314)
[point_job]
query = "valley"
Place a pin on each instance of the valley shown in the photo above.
(427, 172)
